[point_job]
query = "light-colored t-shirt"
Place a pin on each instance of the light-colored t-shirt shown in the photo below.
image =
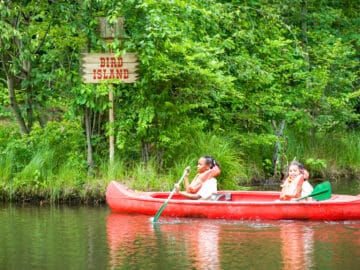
(306, 188)
(208, 188)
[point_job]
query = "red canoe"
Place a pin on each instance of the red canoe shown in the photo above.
(243, 205)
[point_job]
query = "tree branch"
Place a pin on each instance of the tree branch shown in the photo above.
(3, 80)
(43, 40)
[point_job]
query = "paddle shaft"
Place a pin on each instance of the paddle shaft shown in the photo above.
(161, 209)
(311, 195)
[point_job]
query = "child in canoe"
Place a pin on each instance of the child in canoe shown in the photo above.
(296, 184)
(204, 185)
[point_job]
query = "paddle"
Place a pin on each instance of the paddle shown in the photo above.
(321, 192)
(158, 213)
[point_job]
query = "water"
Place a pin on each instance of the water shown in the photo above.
(34, 237)
(94, 238)
(53, 238)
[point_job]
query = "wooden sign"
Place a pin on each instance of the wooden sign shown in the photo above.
(102, 67)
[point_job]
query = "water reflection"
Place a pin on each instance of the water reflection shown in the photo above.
(133, 239)
(297, 246)
(135, 243)
(127, 238)
(206, 247)
(52, 237)
(91, 238)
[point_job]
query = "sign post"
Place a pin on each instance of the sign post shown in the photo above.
(109, 67)
(111, 126)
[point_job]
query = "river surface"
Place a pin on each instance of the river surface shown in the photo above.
(62, 237)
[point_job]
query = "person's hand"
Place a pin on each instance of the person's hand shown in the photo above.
(187, 169)
(177, 187)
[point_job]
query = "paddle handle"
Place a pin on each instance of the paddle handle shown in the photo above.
(161, 209)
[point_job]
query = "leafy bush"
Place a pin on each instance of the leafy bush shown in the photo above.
(44, 160)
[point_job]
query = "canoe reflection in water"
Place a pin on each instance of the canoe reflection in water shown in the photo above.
(136, 243)
(297, 246)
(202, 244)
(320, 245)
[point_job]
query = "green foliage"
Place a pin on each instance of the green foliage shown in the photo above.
(181, 83)
(225, 152)
(4, 103)
(215, 77)
(315, 165)
(15, 152)
(43, 160)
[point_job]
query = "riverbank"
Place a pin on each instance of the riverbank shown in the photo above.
(49, 165)
(93, 193)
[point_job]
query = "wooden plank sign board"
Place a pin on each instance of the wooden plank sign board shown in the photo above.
(102, 67)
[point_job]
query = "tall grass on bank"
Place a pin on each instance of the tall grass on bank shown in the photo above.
(148, 176)
(223, 148)
(50, 164)
(333, 156)
(45, 165)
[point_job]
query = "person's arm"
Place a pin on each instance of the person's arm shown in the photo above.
(186, 181)
(200, 179)
(194, 187)
(190, 195)
(195, 184)
(284, 187)
(215, 171)
(186, 194)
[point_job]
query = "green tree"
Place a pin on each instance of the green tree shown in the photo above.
(181, 85)
(38, 44)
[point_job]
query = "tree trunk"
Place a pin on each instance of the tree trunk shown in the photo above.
(14, 105)
(89, 125)
(90, 160)
(42, 119)
(304, 29)
(304, 43)
(145, 152)
(29, 108)
(111, 124)
(277, 150)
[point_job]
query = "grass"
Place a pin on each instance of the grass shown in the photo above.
(330, 156)
(48, 174)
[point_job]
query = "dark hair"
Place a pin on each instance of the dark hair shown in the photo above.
(210, 161)
(298, 164)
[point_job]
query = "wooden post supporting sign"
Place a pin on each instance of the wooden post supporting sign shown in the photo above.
(111, 68)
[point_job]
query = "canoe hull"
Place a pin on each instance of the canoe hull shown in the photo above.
(252, 205)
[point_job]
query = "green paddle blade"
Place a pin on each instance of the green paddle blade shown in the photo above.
(322, 191)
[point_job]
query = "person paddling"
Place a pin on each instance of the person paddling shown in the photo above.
(204, 185)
